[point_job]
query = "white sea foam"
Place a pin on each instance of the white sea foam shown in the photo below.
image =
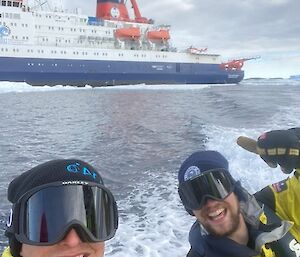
(156, 224)
(162, 229)
(18, 87)
(153, 223)
(246, 166)
(7, 87)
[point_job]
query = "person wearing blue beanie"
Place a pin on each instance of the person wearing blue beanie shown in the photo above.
(230, 222)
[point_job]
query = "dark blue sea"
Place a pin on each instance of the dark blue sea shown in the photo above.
(137, 137)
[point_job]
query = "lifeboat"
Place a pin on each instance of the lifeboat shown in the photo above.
(128, 33)
(161, 34)
(233, 65)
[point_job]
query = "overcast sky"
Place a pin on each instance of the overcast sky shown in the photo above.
(232, 28)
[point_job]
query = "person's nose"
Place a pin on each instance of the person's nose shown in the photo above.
(208, 202)
(71, 239)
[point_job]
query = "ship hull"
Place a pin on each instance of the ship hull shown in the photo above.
(43, 71)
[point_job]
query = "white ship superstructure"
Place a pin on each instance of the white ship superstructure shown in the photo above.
(43, 47)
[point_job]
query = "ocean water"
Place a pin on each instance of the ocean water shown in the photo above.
(137, 137)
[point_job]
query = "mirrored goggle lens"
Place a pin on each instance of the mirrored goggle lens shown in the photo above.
(214, 184)
(52, 210)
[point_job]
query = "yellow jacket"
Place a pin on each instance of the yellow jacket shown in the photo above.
(6, 253)
(287, 202)
(284, 198)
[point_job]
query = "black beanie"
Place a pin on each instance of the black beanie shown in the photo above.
(52, 171)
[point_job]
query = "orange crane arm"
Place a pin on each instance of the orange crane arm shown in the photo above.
(137, 14)
(136, 10)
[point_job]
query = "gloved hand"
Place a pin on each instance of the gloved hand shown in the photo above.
(280, 147)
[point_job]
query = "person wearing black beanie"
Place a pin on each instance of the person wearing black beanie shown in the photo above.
(60, 208)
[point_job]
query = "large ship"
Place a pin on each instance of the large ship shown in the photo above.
(55, 47)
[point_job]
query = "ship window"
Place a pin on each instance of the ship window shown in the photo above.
(15, 4)
(3, 3)
(8, 3)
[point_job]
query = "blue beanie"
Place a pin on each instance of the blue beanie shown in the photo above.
(199, 162)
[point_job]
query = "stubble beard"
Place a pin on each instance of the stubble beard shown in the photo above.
(231, 227)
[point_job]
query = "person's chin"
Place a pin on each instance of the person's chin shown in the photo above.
(219, 224)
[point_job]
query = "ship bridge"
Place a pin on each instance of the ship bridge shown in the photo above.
(15, 3)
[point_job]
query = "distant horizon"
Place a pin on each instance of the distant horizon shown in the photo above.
(279, 77)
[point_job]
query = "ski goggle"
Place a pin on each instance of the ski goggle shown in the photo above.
(46, 214)
(216, 184)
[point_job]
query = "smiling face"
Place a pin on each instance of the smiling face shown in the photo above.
(220, 218)
(70, 246)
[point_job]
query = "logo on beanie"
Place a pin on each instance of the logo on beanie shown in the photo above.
(76, 167)
(10, 219)
(191, 172)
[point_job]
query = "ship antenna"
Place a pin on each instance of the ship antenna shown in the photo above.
(41, 4)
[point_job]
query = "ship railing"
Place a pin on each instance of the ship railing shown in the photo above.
(7, 41)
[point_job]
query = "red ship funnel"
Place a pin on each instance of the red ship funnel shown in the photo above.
(112, 10)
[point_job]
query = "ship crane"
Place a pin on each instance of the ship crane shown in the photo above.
(117, 10)
(137, 13)
(236, 64)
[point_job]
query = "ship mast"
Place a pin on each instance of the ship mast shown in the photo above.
(42, 5)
